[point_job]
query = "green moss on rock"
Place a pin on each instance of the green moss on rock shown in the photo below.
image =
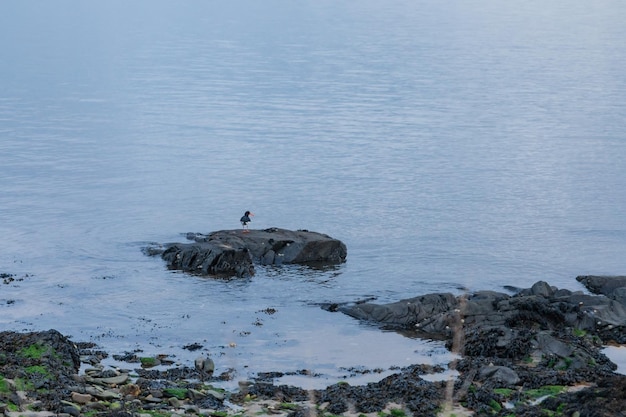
(34, 351)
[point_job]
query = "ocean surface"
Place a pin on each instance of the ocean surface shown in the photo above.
(453, 146)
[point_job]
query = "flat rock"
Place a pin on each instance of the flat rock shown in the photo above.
(229, 253)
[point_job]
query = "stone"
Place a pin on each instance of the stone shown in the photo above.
(604, 284)
(205, 365)
(499, 373)
(131, 390)
(216, 394)
(152, 399)
(549, 345)
(114, 380)
(427, 312)
(70, 408)
(81, 398)
(439, 312)
(102, 394)
(542, 288)
(174, 402)
(230, 253)
(620, 295)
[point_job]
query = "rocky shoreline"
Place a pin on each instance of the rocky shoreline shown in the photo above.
(534, 353)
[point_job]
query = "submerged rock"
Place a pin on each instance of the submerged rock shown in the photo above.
(229, 253)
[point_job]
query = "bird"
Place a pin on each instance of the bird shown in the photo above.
(245, 219)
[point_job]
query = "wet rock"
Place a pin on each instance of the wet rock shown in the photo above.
(430, 313)
(102, 394)
(130, 390)
(81, 398)
(205, 365)
(541, 306)
(419, 396)
(502, 374)
(613, 287)
(113, 380)
(606, 399)
(71, 409)
(541, 336)
(44, 364)
(229, 253)
(209, 258)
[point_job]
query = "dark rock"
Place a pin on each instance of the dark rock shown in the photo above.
(540, 307)
(209, 258)
(278, 246)
(71, 410)
(613, 287)
(538, 337)
(229, 253)
(607, 399)
(419, 396)
(430, 313)
(44, 361)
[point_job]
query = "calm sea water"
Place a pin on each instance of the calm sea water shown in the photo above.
(461, 145)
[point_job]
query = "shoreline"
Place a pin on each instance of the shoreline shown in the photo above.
(159, 387)
(539, 365)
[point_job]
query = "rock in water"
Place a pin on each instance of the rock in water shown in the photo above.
(205, 365)
(229, 253)
(611, 286)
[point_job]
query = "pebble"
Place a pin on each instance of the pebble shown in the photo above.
(132, 390)
(204, 364)
(115, 380)
(81, 398)
(102, 394)
(152, 399)
(216, 394)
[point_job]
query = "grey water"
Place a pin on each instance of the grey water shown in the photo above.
(453, 146)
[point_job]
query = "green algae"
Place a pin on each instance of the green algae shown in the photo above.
(148, 362)
(180, 393)
(22, 384)
(34, 351)
(37, 369)
(4, 385)
(548, 390)
(505, 392)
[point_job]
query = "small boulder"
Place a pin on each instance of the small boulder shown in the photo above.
(501, 374)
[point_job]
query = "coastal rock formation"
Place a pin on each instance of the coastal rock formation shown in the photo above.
(39, 377)
(541, 305)
(518, 346)
(39, 362)
(228, 253)
(525, 355)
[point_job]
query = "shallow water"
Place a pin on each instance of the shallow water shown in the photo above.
(452, 147)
